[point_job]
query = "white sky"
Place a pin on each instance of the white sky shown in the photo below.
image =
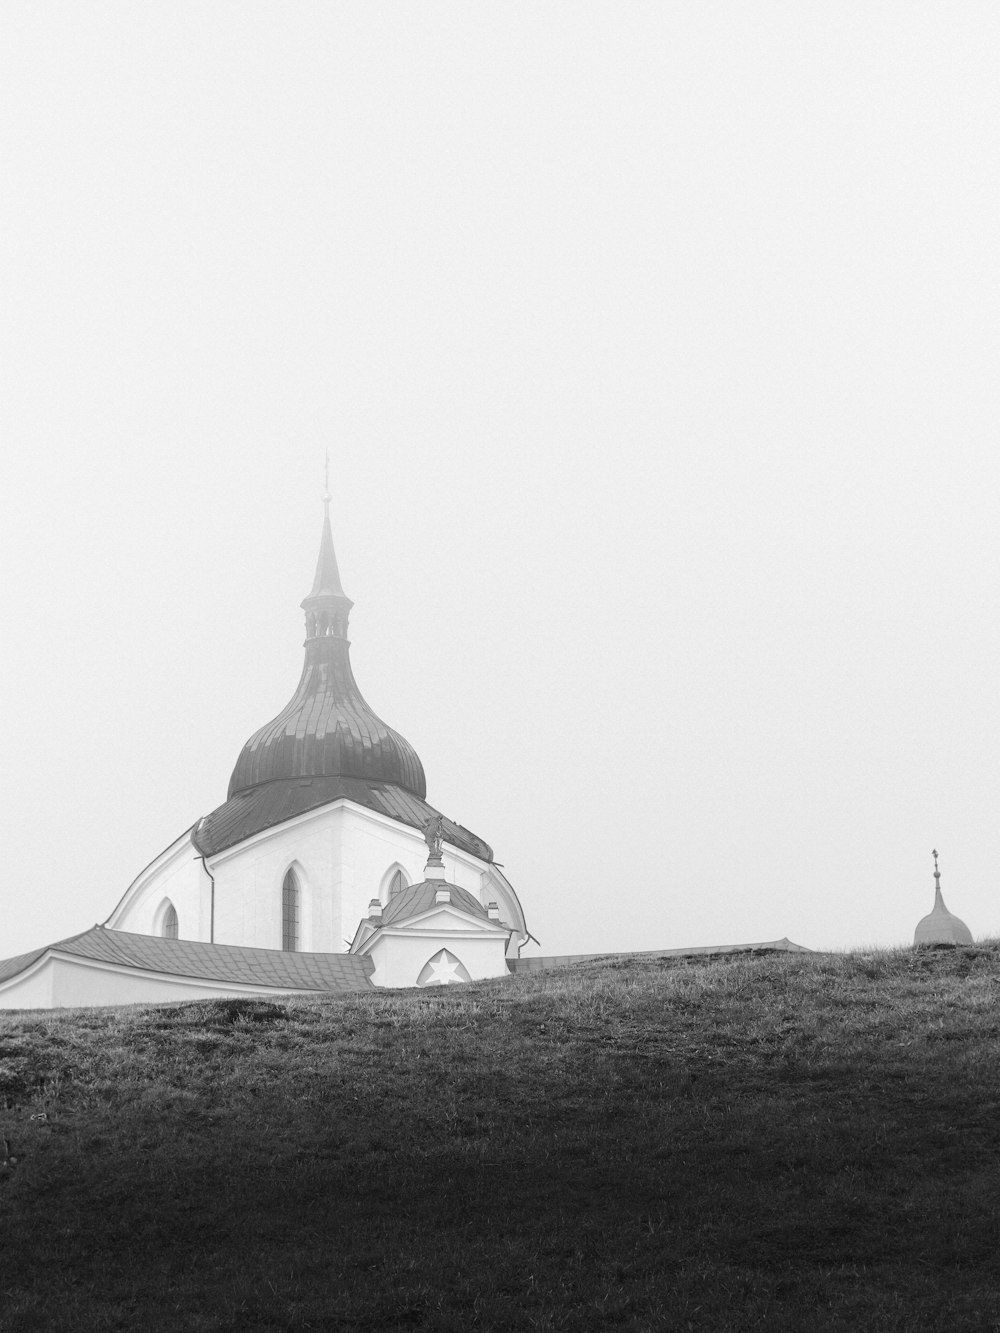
(656, 347)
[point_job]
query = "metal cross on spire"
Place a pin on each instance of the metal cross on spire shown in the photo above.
(937, 873)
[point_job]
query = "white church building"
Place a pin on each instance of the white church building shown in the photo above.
(325, 837)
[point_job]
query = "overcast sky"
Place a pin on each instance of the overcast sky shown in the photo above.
(656, 349)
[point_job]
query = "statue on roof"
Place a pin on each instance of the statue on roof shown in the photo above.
(434, 836)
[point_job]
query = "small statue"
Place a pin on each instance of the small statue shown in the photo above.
(434, 836)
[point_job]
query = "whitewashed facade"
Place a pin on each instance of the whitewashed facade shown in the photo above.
(342, 856)
(325, 821)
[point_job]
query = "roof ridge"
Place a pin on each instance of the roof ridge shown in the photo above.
(32, 956)
(71, 939)
(243, 948)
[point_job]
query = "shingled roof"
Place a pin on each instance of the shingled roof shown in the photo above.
(327, 728)
(258, 808)
(422, 897)
(230, 963)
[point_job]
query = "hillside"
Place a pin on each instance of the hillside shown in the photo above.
(780, 1142)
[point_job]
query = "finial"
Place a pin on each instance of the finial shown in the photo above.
(937, 873)
(326, 480)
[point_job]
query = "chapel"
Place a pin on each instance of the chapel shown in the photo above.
(324, 869)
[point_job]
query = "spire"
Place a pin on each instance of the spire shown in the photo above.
(327, 580)
(327, 606)
(327, 730)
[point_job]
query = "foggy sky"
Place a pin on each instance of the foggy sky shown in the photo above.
(655, 347)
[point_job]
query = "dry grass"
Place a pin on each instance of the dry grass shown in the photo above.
(786, 1142)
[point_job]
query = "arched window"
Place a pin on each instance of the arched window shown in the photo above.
(397, 883)
(170, 922)
(290, 913)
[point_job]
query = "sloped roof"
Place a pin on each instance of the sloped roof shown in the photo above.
(12, 967)
(208, 962)
(422, 897)
(783, 945)
(252, 811)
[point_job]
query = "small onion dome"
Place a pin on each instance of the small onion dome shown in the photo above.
(327, 729)
(940, 926)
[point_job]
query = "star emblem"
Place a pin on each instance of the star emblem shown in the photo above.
(442, 970)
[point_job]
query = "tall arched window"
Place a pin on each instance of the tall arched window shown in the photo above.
(290, 913)
(397, 882)
(170, 922)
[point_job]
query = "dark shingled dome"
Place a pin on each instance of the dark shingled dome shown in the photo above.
(328, 730)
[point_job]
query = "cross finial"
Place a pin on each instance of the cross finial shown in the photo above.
(937, 873)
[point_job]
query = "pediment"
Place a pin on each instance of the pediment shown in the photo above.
(445, 917)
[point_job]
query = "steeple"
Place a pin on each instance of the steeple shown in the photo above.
(327, 729)
(939, 926)
(327, 606)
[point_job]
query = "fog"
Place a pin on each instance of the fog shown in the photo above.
(655, 348)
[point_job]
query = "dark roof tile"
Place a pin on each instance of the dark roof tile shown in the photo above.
(259, 808)
(208, 962)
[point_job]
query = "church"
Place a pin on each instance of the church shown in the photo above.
(325, 840)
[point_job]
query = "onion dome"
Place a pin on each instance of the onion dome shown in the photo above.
(939, 926)
(327, 730)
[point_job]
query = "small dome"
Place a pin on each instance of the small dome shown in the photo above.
(417, 898)
(940, 926)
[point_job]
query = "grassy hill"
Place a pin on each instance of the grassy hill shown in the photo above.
(784, 1142)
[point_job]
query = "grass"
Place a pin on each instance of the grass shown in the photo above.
(781, 1142)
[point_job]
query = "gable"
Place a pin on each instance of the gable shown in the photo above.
(446, 917)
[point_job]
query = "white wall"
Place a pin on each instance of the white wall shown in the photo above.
(400, 952)
(66, 983)
(400, 957)
(341, 855)
(178, 873)
(30, 990)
